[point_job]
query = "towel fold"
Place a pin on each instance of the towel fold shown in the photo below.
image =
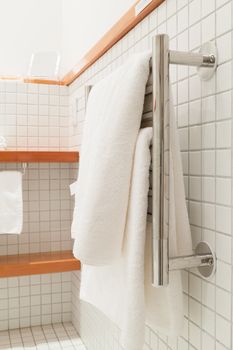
(164, 306)
(118, 290)
(112, 123)
(11, 202)
(121, 290)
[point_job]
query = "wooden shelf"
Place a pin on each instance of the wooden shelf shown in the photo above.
(38, 157)
(38, 263)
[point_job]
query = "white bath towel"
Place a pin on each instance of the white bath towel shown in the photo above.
(164, 306)
(113, 119)
(120, 290)
(11, 202)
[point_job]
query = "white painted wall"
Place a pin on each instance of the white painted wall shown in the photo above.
(68, 26)
(84, 23)
(27, 26)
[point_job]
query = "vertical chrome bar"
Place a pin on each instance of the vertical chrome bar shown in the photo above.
(160, 160)
(87, 91)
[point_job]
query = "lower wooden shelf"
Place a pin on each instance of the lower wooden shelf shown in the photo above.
(38, 263)
(38, 157)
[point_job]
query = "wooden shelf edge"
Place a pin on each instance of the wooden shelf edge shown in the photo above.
(38, 157)
(38, 263)
(31, 80)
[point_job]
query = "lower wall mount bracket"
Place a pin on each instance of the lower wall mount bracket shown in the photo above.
(204, 260)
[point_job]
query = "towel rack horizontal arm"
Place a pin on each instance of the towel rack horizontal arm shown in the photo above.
(191, 59)
(190, 261)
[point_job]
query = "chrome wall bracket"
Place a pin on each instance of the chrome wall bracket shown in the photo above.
(204, 259)
(208, 49)
(206, 63)
(205, 60)
(208, 266)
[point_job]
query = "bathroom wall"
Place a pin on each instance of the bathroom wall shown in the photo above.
(204, 118)
(87, 26)
(35, 300)
(28, 26)
(35, 117)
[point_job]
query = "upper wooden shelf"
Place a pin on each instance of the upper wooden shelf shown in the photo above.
(38, 157)
(38, 263)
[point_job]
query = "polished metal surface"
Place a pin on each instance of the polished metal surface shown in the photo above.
(204, 258)
(208, 49)
(191, 59)
(208, 270)
(196, 59)
(160, 220)
(190, 261)
(87, 91)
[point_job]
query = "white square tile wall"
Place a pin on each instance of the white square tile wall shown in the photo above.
(35, 300)
(46, 210)
(34, 116)
(204, 117)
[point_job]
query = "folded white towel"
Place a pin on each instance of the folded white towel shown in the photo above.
(11, 202)
(113, 119)
(120, 290)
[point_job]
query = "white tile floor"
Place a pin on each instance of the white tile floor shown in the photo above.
(49, 337)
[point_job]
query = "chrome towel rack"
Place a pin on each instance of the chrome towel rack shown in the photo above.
(206, 61)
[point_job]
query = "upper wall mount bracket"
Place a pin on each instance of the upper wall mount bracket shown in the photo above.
(206, 60)
(208, 49)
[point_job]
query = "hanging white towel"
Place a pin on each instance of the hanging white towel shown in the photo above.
(164, 306)
(3, 144)
(11, 202)
(112, 123)
(120, 290)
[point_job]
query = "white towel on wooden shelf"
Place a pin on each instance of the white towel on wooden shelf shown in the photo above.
(11, 202)
(112, 123)
(118, 289)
